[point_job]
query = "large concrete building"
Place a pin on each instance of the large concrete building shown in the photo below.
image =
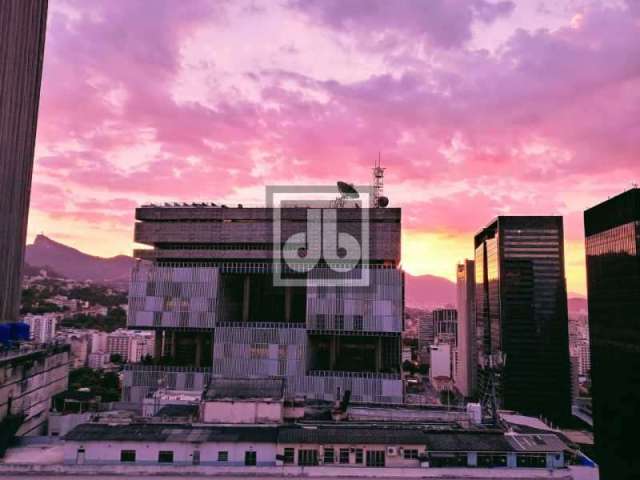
(466, 365)
(28, 379)
(521, 315)
(22, 34)
(207, 289)
(612, 231)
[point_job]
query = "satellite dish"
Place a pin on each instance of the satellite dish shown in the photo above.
(383, 202)
(348, 190)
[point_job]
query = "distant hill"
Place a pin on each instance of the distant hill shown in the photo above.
(76, 265)
(428, 291)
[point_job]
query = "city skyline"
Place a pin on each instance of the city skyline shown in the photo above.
(478, 108)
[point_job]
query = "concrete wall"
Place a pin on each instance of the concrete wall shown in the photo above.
(139, 380)
(222, 411)
(29, 381)
(97, 452)
(234, 225)
(60, 424)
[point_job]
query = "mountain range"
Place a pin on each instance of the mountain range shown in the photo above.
(421, 291)
(71, 263)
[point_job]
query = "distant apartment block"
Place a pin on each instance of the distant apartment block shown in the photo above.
(521, 314)
(612, 231)
(207, 289)
(22, 33)
(131, 345)
(445, 326)
(465, 374)
(42, 327)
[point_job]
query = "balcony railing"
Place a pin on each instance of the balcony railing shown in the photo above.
(368, 375)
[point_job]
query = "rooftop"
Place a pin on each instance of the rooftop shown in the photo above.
(239, 389)
(437, 441)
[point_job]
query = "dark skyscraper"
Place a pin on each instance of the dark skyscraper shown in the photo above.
(612, 231)
(22, 33)
(521, 313)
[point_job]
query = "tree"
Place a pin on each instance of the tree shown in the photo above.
(116, 358)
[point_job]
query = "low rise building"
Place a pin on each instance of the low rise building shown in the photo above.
(251, 401)
(335, 445)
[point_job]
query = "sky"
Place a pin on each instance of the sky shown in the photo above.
(478, 108)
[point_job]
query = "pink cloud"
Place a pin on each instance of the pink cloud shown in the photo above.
(548, 123)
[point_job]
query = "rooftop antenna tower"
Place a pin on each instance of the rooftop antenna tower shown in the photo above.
(489, 397)
(378, 199)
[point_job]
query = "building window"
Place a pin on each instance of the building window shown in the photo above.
(375, 458)
(444, 460)
(223, 456)
(165, 456)
(339, 320)
(344, 455)
(488, 460)
(329, 455)
(196, 457)
(532, 461)
(357, 322)
(320, 321)
(127, 455)
(250, 458)
(410, 453)
(359, 456)
(289, 455)
(307, 457)
(259, 350)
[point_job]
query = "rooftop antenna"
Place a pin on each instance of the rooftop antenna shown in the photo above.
(378, 200)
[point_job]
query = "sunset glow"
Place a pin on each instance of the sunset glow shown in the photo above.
(479, 108)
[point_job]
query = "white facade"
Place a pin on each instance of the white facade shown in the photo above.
(97, 360)
(440, 361)
(42, 327)
(247, 412)
(99, 341)
(100, 452)
(406, 354)
(465, 366)
(131, 345)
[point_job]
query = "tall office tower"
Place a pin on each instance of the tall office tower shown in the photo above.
(22, 32)
(465, 375)
(521, 315)
(425, 336)
(207, 289)
(445, 326)
(612, 231)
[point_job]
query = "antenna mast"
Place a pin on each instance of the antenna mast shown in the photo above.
(378, 182)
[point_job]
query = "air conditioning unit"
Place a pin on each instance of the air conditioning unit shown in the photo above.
(392, 451)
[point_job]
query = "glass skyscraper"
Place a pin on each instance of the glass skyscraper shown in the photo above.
(612, 232)
(521, 315)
